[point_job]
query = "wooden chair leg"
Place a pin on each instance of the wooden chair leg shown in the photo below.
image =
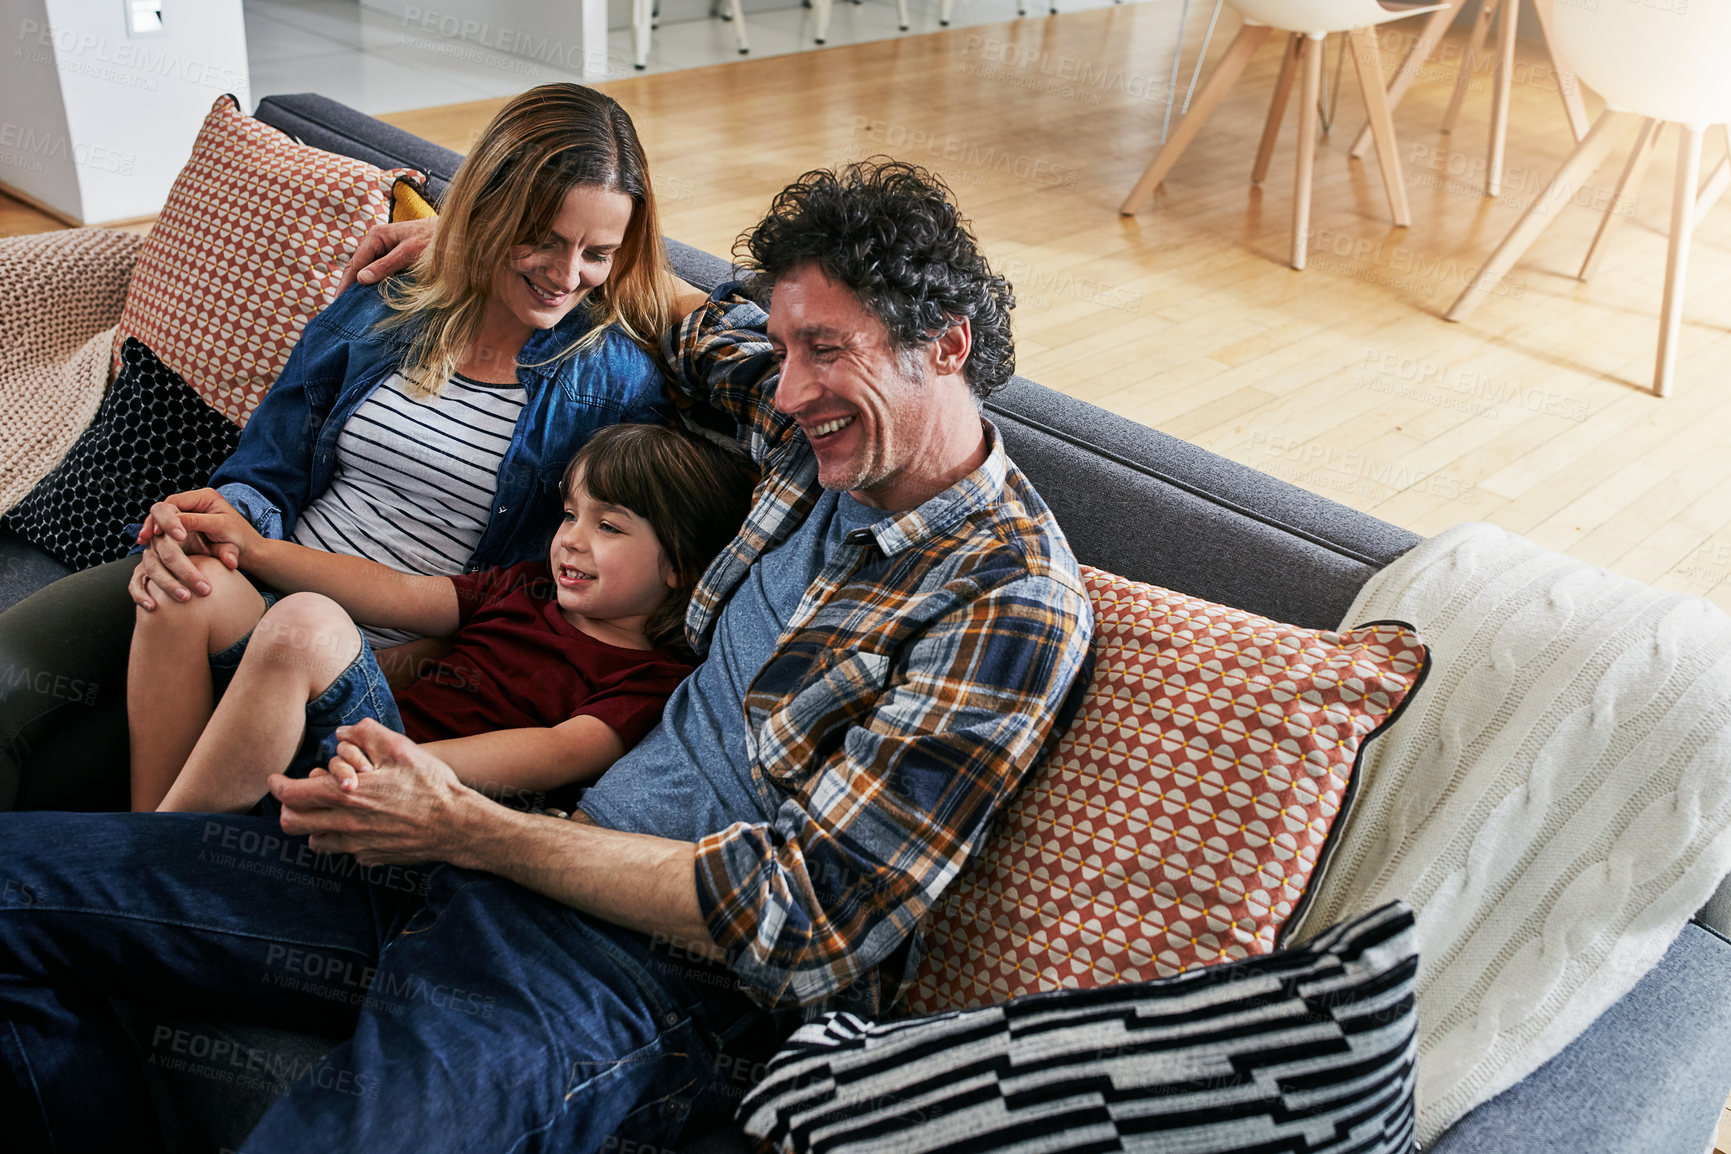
(1277, 108)
(1568, 85)
(1475, 45)
(1368, 60)
(1541, 212)
(1434, 27)
(1308, 117)
(1719, 181)
(1226, 74)
(1646, 144)
(1684, 199)
(1511, 19)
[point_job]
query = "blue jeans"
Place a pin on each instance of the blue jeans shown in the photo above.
(360, 691)
(480, 1015)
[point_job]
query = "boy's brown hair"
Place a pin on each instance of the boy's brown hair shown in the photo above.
(693, 492)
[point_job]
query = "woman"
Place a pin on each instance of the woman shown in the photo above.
(423, 423)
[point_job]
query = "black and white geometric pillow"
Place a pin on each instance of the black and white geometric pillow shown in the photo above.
(1309, 1049)
(152, 436)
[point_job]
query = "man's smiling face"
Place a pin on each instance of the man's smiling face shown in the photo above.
(872, 426)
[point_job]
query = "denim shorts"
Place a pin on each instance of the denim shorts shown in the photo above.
(360, 691)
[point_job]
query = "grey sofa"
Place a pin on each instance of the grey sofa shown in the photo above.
(1137, 502)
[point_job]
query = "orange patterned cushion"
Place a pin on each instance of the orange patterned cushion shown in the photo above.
(1182, 814)
(249, 247)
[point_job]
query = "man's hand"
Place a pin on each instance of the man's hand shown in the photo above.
(168, 541)
(408, 806)
(388, 249)
(405, 804)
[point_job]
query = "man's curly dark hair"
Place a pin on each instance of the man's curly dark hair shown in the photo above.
(890, 231)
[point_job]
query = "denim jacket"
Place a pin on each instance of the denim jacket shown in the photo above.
(288, 451)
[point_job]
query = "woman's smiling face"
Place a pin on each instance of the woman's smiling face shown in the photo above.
(539, 284)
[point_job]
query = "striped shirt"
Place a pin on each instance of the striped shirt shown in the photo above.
(415, 478)
(929, 666)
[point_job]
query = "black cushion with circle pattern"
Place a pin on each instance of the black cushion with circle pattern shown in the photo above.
(152, 436)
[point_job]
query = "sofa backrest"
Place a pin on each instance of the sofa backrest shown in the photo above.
(320, 122)
(1131, 499)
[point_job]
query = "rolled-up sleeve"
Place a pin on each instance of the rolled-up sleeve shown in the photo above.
(806, 904)
(720, 355)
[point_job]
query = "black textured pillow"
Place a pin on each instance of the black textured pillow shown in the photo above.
(1308, 1049)
(152, 436)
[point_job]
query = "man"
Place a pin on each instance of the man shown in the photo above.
(894, 638)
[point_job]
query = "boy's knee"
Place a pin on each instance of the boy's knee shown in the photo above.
(305, 621)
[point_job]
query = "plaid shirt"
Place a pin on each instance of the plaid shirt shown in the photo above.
(929, 666)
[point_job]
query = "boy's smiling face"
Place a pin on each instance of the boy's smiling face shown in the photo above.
(608, 568)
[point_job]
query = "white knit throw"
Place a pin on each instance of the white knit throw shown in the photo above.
(60, 296)
(1555, 803)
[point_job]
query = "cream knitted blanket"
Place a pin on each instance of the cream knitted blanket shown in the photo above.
(60, 297)
(1555, 804)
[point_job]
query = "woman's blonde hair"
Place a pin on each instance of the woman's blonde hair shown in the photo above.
(508, 192)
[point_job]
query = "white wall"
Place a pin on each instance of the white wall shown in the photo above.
(111, 117)
(569, 34)
(32, 116)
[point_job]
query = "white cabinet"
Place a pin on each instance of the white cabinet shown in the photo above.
(100, 102)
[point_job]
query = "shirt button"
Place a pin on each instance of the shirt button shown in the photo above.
(672, 1019)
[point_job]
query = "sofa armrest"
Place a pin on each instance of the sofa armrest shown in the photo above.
(1649, 1077)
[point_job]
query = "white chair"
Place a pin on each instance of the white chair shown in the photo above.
(644, 20)
(1309, 22)
(1568, 88)
(821, 12)
(1661, 62)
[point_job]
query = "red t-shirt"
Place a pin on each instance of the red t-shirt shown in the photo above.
(518, 664)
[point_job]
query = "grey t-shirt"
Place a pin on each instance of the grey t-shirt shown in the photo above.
(691, 776)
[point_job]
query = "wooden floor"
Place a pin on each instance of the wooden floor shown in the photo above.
(1344, 378)
(19, 219)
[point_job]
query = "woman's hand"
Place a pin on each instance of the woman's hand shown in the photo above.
(687, 299)
(229, 536)
(170, 543)
(388, 249)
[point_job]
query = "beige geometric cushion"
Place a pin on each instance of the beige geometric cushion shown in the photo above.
(249, 247)
(1181, 816)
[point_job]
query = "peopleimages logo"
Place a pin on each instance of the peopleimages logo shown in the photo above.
(516, 41)
(28, 148)
(1067, 75)
(84, 53)
(972, 154)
